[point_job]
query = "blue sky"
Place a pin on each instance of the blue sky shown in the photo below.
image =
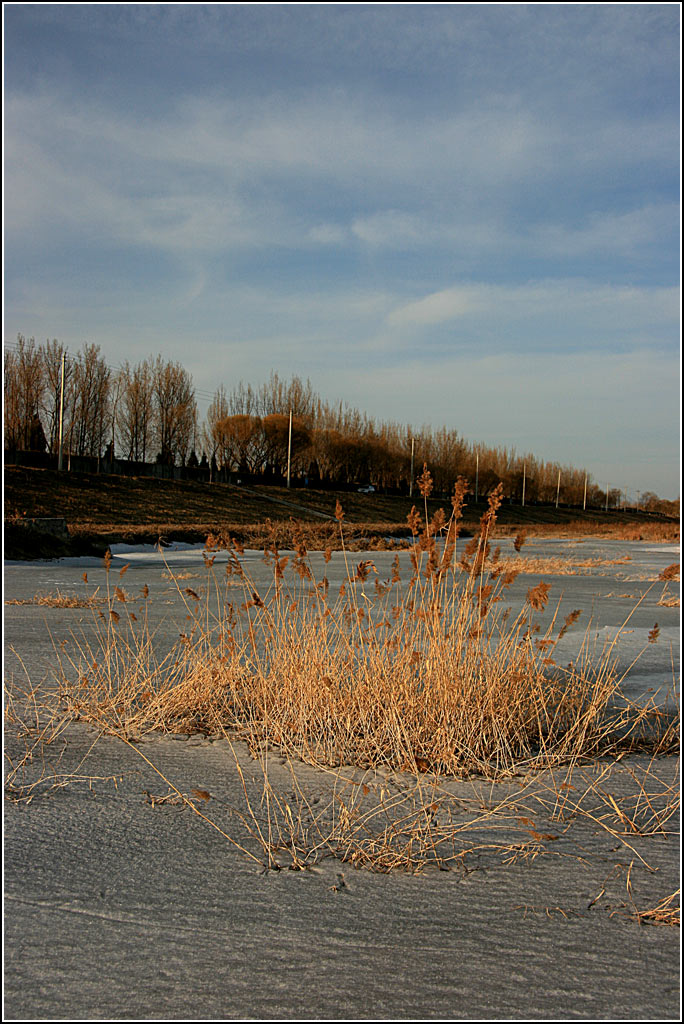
(453, 214)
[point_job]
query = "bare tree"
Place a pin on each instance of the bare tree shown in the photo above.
(175, 411)
(242, 443)
(277, 438)
(213, 435)
(275, 396)
(329, 453)
(90, 403)
(53, 354)
(23, 390)
(242, 401)
(135, 413)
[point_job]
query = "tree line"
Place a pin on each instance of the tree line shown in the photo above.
(147, 412)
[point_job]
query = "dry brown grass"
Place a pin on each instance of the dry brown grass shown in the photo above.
(60, 600)
(653, 531)
(546, 566)
(668, 575)
(659, 532)
(666, 912)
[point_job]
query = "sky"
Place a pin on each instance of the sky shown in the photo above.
(461, 215)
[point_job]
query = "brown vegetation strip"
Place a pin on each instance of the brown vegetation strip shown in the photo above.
(557, 566)
(59, 600)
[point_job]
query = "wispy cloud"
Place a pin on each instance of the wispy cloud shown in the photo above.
(622, 311)
(204, 148)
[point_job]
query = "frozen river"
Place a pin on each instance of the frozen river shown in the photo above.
(118, 909)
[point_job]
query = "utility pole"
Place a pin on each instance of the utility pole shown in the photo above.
(289, 450)
(116, 402)
(61, 415)
(558, 489)
(413, 443)
(477, 475)
(524, 476)
(585, 492)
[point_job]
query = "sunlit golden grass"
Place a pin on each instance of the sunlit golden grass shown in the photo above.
(666, 912)
(60, 600)
(669, 575)
(317, 535)
(373, 535)
(652, 531)
(547, 566)
(664, 532)
(426, 674)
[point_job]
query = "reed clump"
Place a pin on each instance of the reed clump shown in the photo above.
(426, 673)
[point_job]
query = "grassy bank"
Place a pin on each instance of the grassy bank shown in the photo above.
(101, 510)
